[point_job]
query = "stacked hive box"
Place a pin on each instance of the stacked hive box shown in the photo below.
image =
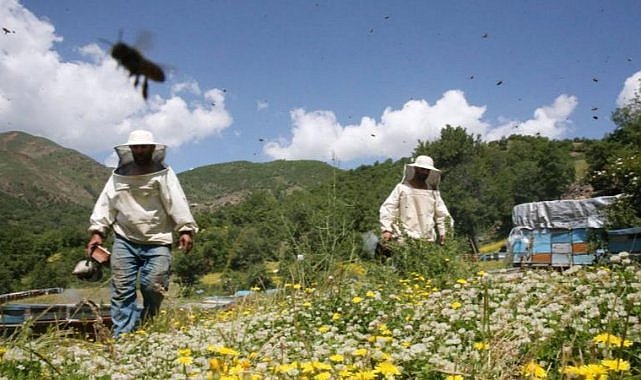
(628, 240)
(555, 233)
(553, 247)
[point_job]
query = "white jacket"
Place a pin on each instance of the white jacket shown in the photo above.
(145, 209)
(414, 212)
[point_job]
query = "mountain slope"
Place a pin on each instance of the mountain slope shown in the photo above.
(44, 184)
(213, 185)
(40, 172)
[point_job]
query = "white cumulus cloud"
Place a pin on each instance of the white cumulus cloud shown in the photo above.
(631, 89)
(318, 134)
(89, 105)
(549, 121)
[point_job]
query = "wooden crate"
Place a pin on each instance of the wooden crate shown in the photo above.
(541, 258)
(579, 247)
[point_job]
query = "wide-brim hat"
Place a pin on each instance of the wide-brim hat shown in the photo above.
(424, 162)
(141, 137)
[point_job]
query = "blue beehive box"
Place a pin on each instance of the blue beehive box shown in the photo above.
(628, 239)
(583, 259)
(561, 237)
(579, 235)
(561, 259)
(519, 247)
(542, 240)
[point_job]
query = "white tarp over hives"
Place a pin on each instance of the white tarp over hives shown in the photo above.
(567, 214)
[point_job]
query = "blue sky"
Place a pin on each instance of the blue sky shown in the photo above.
(346, 82)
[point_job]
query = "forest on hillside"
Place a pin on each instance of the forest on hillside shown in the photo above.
(269, 230)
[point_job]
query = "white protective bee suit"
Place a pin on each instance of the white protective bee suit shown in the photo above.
(414, 212)
(146, 208)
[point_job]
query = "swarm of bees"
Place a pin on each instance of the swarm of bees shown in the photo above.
(137, 65)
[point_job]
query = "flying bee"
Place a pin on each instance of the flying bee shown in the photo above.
(137, 65)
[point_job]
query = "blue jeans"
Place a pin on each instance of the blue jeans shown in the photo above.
(130, 260)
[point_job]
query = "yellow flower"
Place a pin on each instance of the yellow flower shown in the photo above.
(323, 329)
(589, 371)
(307, 367)
(456, 305)
(227, 351)
(336, 358)
(370, 294)
(364, 375)
(323, 376)
(533, 370)
(336, 316)
(360, 352)
(481, 346)
(222, 350)
(297, 286)
(462, 281)
(185, 360)
(322, 366)
(594, 371)
(286, 367)
(216, 365)
(2, 352)
(184, 352)
(307, 304)
(571, 370)
(616, 365)
(387, 368)
(454, 377)
(611, 340)
(346, 373)
(357, 299)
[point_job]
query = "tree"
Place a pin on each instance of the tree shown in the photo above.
(615, 165)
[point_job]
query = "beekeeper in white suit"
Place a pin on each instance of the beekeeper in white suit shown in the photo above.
(415, 208)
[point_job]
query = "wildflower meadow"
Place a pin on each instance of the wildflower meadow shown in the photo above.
(371, 322)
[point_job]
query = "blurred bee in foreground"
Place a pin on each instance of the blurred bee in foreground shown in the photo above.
(137, 65)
